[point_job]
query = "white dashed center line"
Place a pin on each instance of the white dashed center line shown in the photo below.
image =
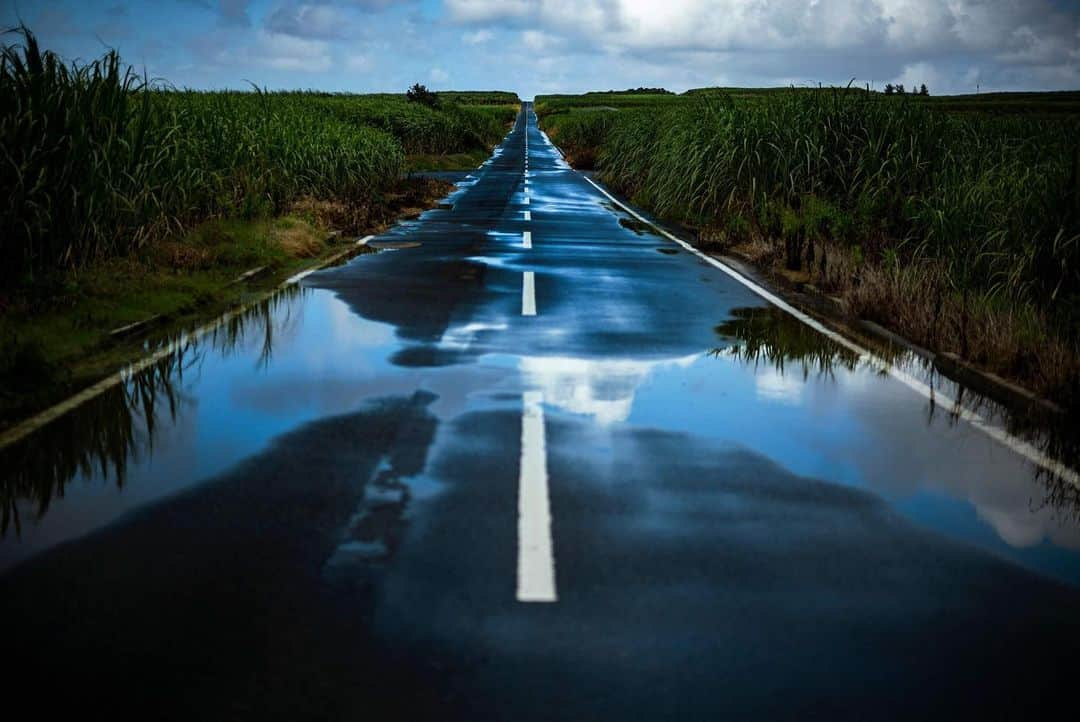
(528, 294)
(536, 560)
(526, 239)
(528, 216)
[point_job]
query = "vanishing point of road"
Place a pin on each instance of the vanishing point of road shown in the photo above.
(533, 459)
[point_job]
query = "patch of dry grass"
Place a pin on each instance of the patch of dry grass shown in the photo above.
(297, 239)
(404, 198)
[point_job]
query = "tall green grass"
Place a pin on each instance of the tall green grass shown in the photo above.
(450, 128)
(98, 161)
(581, 134)
(252, 153)
(993, 199)
(83, 156)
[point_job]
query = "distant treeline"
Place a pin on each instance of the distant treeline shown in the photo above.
(630, 91)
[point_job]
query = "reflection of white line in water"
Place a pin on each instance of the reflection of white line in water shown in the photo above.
(528, 295)
(528, 216)
(526, 239)
(536, 560)
(1018, 445)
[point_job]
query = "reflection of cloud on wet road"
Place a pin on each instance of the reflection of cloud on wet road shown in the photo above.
(1026, 530)
(1002, 489)
(462, 337)
(778, 387)
(598, 388)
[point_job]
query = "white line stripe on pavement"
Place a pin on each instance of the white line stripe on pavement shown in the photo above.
(528, 294)
(526, 200)
(1018, 445)
(536, 560)
(528, 216)
(526, 239)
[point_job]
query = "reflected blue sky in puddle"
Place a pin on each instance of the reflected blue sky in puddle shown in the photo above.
(858, 429)
(233, 397)
(808, 409)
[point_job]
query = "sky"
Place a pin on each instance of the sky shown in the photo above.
(544, 46)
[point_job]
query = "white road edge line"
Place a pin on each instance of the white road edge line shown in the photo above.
(528, 294)
(1018, 445)
(536, 560)
(296, 278)
(526, 239)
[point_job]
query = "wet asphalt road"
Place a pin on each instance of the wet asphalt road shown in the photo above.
(544, 465)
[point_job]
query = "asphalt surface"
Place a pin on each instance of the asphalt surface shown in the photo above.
(532, 461)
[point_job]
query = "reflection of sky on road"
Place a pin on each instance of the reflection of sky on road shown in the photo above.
(860, 429)
(602, 390)
(848, 426)
(325, 361)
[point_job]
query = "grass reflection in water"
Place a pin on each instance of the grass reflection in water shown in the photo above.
(768, 335)
(102, 436)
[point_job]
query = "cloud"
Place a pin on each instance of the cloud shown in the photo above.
(828, 40)
(376, 4)
(918, 74)
(539, 41)
(234, 12)
(487, 10)
(358, 63)
(575, 45)
(477, 37)
(326, 19)
(305, 20)
(279, 51)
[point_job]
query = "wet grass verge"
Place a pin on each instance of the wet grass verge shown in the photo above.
(72, 328)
